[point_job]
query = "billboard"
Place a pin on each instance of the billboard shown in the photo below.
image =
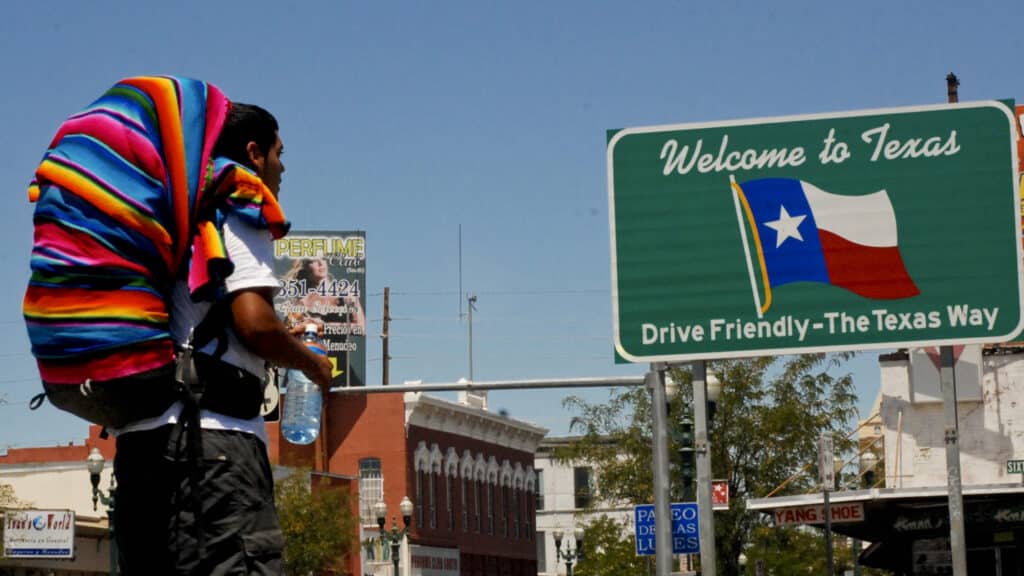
(864, 229)
(323, 281)
(39, 533)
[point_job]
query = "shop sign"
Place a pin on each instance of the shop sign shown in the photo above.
(850, 512)
(39, 533)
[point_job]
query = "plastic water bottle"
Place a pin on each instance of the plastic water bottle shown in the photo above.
(301, 421)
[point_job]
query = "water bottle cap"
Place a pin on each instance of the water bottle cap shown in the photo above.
(312, 328)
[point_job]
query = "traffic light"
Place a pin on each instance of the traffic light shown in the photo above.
(686, 454)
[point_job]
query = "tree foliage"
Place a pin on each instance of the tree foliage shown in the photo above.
(318, 525)
(8, 500)
(607, 553)
(765, 429)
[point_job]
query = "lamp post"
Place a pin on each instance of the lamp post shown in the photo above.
(570, 554)
(395, 535)
(743, 563)
(714, 387)
(868, 463)
(94, 463)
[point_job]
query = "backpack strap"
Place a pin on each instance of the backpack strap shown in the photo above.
(191, 388)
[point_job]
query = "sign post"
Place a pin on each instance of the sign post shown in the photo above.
(826, 475)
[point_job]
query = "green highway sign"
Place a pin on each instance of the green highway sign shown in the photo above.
(1015, 466)
(868, 229)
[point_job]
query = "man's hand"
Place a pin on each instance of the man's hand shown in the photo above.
(320, 372)
(260, 330)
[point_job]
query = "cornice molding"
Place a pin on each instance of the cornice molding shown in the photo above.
(434, 413)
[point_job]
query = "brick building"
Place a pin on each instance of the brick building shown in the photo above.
(469, 473)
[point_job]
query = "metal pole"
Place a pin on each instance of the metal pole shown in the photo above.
(830, 562)
(394, 555)
(472, 300)
(600, 382)
(662, 507)
(114, 568)
(384, 336)
(701, 447)
(947, 377)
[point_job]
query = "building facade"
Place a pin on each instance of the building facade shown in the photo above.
(469, 473)
(564, 501)
(905, 519)
(56, 478)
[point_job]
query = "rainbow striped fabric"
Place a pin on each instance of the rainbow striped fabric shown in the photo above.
(118, 197)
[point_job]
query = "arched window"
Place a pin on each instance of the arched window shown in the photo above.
(419, 497)
(371, 489)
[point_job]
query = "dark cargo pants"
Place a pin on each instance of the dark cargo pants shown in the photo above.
(155, 515)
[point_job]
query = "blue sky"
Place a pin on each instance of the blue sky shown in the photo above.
(409, 119)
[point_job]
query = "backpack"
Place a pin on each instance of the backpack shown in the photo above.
(128, 200)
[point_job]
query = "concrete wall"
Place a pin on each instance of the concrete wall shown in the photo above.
(991, 428)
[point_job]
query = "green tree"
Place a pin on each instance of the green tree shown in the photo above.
(319, 527)
(608, 552)
(8, 500)
(765, 429)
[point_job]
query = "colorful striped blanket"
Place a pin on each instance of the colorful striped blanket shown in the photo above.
(128, 200)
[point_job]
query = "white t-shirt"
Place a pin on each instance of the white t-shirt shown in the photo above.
(251, 251)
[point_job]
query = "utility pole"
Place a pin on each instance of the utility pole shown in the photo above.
(384, 336)
(702, 448)
(472, 306)
(947, 381)
(655, 382)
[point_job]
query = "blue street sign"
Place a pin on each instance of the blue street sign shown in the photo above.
(685, 534)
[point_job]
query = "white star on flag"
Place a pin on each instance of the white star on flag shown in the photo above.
(787, 226)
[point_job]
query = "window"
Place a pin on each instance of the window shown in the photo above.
(527, 520)
(581, 487)
(515, 513)
(464, 500)
(419, 498)
(490, 508)
(448, 502)
(542, 554)
(539, 491)
(504, 511)
(371, 489)
(476, 502)
(432, 487)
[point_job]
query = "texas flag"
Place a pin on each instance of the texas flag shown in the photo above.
(805, 234)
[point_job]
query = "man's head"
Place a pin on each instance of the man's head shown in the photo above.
(250, 138)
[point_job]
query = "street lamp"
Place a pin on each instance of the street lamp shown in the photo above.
(714, 388)
(868, 463)
(395, 535)
(569, 555)
(743, 563)
(94, 463)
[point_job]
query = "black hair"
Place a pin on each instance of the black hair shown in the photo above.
(245, 123)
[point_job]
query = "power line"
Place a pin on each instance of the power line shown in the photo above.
(555, 292)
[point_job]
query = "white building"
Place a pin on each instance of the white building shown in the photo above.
(907, 517)
(56, 478)
(563, 491)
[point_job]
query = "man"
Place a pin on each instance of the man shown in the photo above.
(214, 513)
